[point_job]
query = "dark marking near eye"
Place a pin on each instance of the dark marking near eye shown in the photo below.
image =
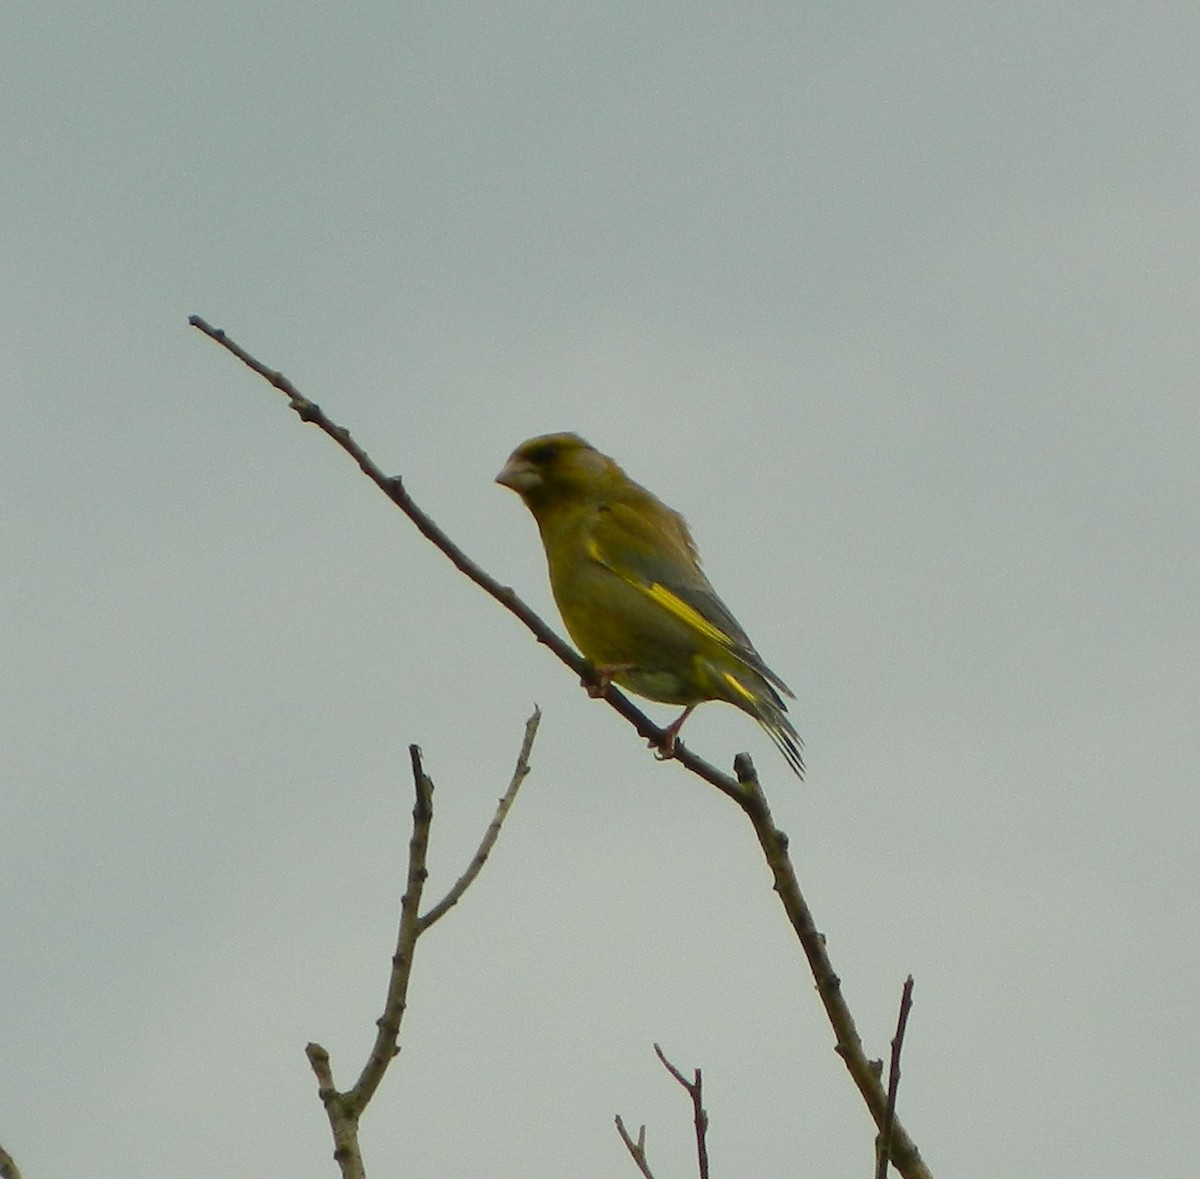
(546, 453)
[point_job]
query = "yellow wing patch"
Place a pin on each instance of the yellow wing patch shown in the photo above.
(666, 598)
(740, 689)
(685, 613)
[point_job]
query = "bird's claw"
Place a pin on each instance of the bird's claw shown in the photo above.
(664, 747)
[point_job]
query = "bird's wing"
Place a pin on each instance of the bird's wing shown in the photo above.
(649, 547)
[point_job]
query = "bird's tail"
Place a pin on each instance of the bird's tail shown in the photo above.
(774, 719)
(754, 694)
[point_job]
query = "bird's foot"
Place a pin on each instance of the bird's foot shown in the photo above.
(665, 745)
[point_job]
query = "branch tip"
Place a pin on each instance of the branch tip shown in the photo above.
(884, 1141)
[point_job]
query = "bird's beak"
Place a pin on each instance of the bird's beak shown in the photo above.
(519, 474)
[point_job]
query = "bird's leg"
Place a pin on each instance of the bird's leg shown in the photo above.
(605, 674)
(666, 747)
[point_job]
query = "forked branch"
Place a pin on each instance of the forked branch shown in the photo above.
(344, 1109)
(637, 1150)
(694, 1090)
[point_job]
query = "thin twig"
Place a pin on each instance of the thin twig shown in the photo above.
(699, 1114)
(636, 1149)
(884, 1141)
(744, 790)
(8, 1166)
(489, 836)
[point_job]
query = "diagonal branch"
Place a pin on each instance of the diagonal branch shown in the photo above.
(849, 1047)
(744, 790)
(489, 836)
(393, 487)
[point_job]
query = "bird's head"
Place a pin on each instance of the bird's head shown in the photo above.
(555, 469)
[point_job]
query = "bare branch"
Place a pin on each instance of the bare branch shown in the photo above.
(345, 1109)
(848, 1045)
(343, 1121)
(884, 1141)
(744, 790)
(385, 1046)
(489, 836)
(8, 1166)
(637, 1150)
(393, 488)
(699, 1115)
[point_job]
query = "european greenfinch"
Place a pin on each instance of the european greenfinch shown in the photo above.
(627, 580)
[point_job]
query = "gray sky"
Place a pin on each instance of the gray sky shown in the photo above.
(897, 304)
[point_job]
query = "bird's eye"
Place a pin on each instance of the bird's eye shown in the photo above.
(541, 455)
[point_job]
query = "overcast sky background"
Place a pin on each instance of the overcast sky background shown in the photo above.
(898, 304)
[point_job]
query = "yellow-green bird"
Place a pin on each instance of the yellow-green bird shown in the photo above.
(627, 579)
